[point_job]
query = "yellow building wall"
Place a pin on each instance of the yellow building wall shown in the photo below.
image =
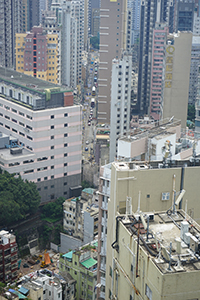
(52, 44)
(42, 75)
(19, 51)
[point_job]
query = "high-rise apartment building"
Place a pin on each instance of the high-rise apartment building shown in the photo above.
(8, 257)
(92, 5)
(152, 12)
(152, 186)
(11, 22)
(155, 261)
(30, 14)
(197, 104)
(37, 54)
(194, 68)
(115, 37)
(177, 76)
(185, 15)
(70, 19)
(120, 100)
(135, 5)
(40, 117)
(95, 21)
(50, 26)
(158, 71)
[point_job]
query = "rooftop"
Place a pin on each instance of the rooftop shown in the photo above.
(144, 165)
(163, 128)
(172, 239)
(29, 82)
(88, 263)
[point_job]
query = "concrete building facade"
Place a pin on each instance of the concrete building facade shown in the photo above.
(37, 54)
(147, 187)
(82, 266)
(177, 76)
(41, 116)
(11, 23)
(151, 12)
(158, 71)
(148, 272)
(120, 101)
(195, 60)
(115, 22)
(135, 20)
(8, 257)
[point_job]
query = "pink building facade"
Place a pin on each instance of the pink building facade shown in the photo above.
(158, 71)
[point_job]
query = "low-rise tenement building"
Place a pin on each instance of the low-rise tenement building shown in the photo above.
(80, 222)
(82, 266)
(41, 117)
(153, 255)
(8, 257)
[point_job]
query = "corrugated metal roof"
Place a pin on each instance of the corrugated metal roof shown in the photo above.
(68, 255)
(18, 294)
(23, 290)
(88, 263)
(89, 190)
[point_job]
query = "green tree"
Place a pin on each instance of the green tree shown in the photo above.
(53, 210)
(191, 112)
(22, 195)
(94, 41)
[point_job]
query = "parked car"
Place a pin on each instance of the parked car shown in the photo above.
(86, 148)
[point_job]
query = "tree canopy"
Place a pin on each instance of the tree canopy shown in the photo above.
(18, 198)
(53, 210)
(94, 41)
(191, 112)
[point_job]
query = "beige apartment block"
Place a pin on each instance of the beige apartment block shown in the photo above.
(177, 76)
(163, 265)
(148, 187)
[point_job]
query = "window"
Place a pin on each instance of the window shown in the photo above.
(52, 186)
(52, 116)
(65, 183)
(131, 268)
(52, 126)
(52, 137)
(66, 114)
(65, 145)
(45, 178)
(52, 147)
(65, 154)
(52, 157)
(165, 196)
(148, 292)
(52, 167)
(110, 271)
(148, 196)
(52, 176)
(65, 174)
(66, 134)
(65, 125)
(65, 165)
